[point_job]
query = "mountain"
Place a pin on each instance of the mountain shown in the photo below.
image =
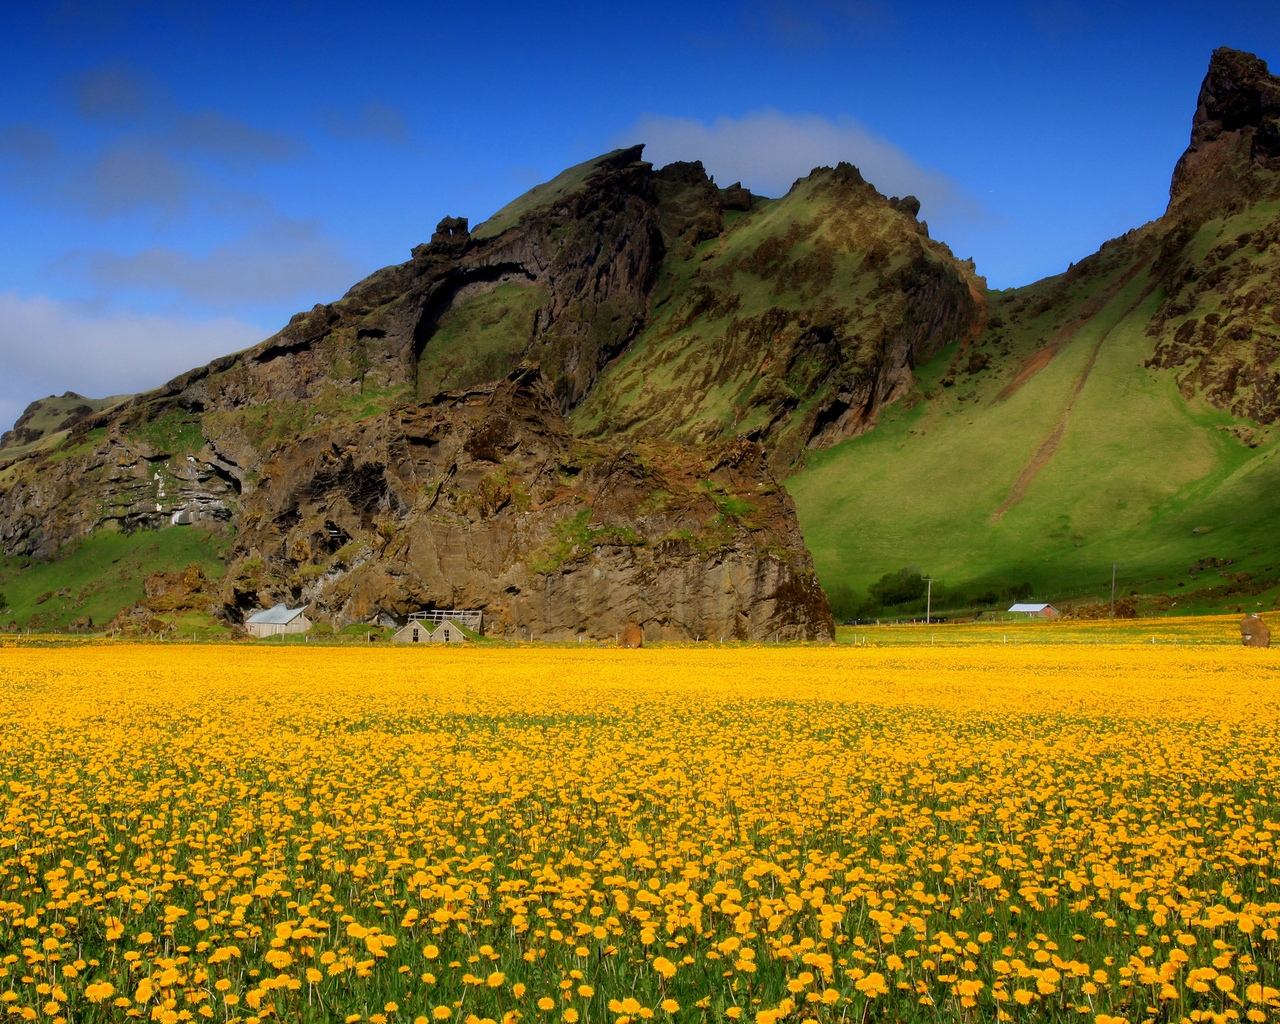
(793, 321)
(1123, 412)
(47, 419)
(370, 386)
(656, 353)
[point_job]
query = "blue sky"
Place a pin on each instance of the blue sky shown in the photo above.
(177, 179)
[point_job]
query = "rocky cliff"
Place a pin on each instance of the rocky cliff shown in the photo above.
(566, 278)
(1218, 256)
(482, 498)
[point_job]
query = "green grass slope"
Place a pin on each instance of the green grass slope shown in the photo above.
(539, 196)
(752, 332)
(100, 575)
(47, 421)
(481, 339)
(1048, 450)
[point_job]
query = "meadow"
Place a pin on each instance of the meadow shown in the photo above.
(975, 831)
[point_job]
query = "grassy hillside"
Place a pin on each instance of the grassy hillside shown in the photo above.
(831, 288)
(480, 340)
(1048, 450)
(47, 421)
(100, 575)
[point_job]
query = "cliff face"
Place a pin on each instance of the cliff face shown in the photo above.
(482, 499)
(113, 480)
(1218, 257)
(1235, 132)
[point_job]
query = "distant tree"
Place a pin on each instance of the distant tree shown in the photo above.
(4, 601)
(894, 588)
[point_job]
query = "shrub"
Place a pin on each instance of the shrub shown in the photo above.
(894, 588)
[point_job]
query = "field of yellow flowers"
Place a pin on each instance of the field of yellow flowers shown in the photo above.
(588, 836)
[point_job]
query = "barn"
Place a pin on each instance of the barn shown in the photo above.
(1036, 611)
(277, 620)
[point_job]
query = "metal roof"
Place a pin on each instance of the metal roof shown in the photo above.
(1030, 607)
(277, 616)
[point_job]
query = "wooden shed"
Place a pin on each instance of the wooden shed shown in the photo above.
(277, 620)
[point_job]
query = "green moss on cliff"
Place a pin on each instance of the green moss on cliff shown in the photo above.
(173, 433)
(481, 340)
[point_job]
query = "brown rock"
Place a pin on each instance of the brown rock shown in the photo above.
(1254, 632)
(483, 499)
(1237, 114)
(632, 636)
(691, 208)
(451, 231)
(735, 197)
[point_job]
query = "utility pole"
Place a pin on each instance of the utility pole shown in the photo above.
(1113, 591)
(928, 601)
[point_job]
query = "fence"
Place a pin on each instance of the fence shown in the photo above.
(463, 617)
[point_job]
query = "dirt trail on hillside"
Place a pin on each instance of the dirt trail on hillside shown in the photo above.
(1063, 335)
(1049, 446)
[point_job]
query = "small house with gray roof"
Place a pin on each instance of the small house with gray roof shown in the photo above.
(277, 620)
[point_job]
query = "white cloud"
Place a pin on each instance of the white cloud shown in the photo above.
(768, 150)
(48, 347)
(284, 261)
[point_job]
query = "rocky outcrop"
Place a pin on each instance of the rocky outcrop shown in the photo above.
(1215, 254)
(188, 589)
(483, 499)
(1236, 128)
(119, 482)
(586, 265)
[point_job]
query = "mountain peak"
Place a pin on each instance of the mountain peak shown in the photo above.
(1238, 92)
(1236, 126)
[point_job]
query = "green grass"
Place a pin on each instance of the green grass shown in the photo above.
(481, 340)
(49, 416)
(174, 433)
(1138, 469)
(103, 573)
(274, 422)
(540, 195)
